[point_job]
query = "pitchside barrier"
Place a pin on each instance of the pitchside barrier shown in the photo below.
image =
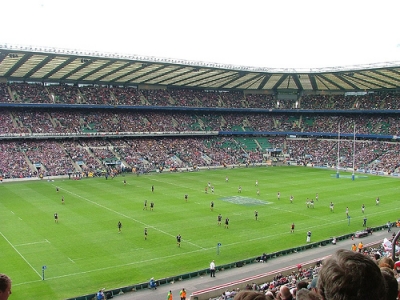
(259, 279)
(217, 290)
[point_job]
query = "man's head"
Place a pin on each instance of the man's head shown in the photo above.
(349, 275)
(285, 293)
(391, 284)
(386, 262)
(305, 294)
(302, 285)
(5, 287)
(249, 295)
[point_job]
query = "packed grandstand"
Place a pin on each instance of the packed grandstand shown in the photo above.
(90, 129)
(80, 129)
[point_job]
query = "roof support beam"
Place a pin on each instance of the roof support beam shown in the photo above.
(16, 66)
(331, 82)
(58, 68)
(264, 81)
(82, 78)
(313, 81)
(279, 82)
(341, 77)
(387, 76)
(39, 66)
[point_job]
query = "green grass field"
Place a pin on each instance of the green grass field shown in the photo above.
(85, 252)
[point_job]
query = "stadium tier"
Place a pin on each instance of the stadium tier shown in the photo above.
(61, 132)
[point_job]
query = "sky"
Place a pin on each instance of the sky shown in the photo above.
(291, 34)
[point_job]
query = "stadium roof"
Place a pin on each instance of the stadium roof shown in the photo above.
(18, 63)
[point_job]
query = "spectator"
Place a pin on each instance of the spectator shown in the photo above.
(284, 293)
(349, 275)
(305, 294)
(152, 283)
(5, 287)
(391, 284)
(386, 262)
(100, 295)
(249, 295)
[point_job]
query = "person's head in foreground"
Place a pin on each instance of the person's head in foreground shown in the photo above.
(249, 295)
(349, 275)
(5, 287)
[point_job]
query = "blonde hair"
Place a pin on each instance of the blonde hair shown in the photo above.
(386, 262)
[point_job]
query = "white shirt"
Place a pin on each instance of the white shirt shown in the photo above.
(212, 266)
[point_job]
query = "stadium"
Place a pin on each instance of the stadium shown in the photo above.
(165, 146)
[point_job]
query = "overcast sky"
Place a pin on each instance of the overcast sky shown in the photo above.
(273, 34)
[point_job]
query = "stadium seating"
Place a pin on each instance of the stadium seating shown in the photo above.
(379, 131)
(57, 130)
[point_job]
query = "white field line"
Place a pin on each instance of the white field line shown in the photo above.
(33, 243)
(153, 259)
(15, 249)
(125, 216)
(164, 257)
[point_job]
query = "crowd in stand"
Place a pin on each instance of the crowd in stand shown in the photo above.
(4, 93)
(301, 278)
(11, 125)
(149, 153)
(29, 93)
(63, 94)
(12, 161)
(184, 98)
(260, 101)
(346, 275)
(108, 95)
(81, 156)
(111, 121)
(30, 157)
(208, 98)
(324, 152)
(52, 157)
(374, 155)
(157, 97)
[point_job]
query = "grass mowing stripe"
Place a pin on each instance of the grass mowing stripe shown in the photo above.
(123, 215)
(87, 232)
(19, 253)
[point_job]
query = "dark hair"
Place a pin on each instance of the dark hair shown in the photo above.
(349, 275)
(302, 285)
(249, 295)
(391, 284)
(5, 282)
